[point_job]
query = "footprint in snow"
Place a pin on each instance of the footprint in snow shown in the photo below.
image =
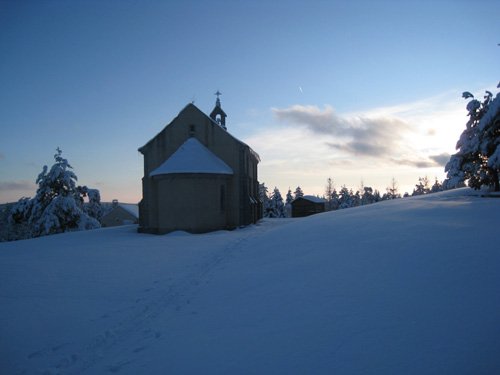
(118, 366)
(57, 347)
(35, 354)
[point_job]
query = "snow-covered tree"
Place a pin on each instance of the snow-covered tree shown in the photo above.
(422, 187)
(345, 199)
(93, 207)
(436, 187)
(328, 193)
(298, 192)
(59, 203)
(334, 200)
(368, 197)
(478, 157)
(355, 198)
(264, 198)
(288, 203)
(277, 208)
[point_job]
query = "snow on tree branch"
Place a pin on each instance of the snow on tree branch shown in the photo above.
(478, 157)
(58, 205)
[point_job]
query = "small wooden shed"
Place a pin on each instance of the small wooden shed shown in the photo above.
(307, 205)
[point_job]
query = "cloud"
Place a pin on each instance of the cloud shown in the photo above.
(317, 120)
(441, 159)
(431, 161)
(16, 185)
(305, 144)
(417, 163)
(356, 135)
(360, 148)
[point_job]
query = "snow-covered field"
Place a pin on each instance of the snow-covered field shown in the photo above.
(410, 286)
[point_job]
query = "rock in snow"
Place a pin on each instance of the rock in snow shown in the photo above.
(409, 286)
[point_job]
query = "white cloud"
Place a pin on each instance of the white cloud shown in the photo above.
(383, 137)
(441, 159)
(304, 145)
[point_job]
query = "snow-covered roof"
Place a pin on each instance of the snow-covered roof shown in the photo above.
(131, 208)
(314, 199)
(192, 157)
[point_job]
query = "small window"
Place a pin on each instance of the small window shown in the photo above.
(191, 130)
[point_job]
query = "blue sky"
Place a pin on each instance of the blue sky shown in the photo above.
(357, 91)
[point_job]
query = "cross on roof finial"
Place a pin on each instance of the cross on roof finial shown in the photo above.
(218, 114)
(217, 102)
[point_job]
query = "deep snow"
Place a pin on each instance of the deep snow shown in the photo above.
(410, 286)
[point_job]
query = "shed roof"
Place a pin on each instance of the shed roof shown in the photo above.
(192, 157)
(312, 198)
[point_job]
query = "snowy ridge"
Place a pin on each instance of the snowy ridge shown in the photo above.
(408, 286)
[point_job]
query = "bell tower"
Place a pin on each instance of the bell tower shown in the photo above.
(217, 114)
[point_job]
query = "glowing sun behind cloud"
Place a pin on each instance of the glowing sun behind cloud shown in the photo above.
(404, 142)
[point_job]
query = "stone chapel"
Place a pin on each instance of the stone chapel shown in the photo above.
(198, 177)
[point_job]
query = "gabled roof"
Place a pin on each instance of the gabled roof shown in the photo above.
(192, 157)
(191, 107)
(132, 209)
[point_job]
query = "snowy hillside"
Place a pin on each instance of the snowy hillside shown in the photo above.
(410, 286)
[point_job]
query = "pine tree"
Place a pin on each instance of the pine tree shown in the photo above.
(392, 191)
(478, 157)
(328, 193)
(289, 197)
(298, 193)
(335, 200)
(264, 198)
(355, 198)
(277, 208)
(345, 199)
(437, 187)
(59, 203)
(368, 197)
(288, 203)
(422, 187)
